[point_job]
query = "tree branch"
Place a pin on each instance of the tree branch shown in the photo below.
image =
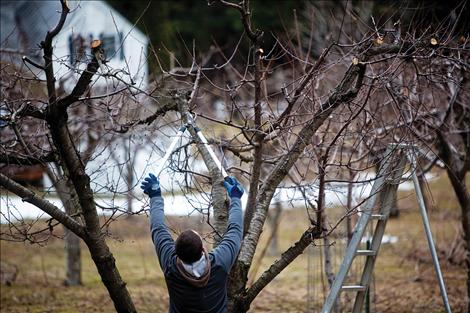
(279, 265)
(30, 197)
(258, 136)
(345, 91)
(47, 47)
(28, 60)
(161, 111)
(245, 17)
(82, 84)
(27, 160)
(71, 162)
(298, 92)
(218, 190)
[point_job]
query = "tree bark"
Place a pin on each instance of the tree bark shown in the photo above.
(218, 193)
(286, 258)
(57, 118)
(349, 206)
(454, 151)
(462, 193)
(273, 220)
(257, 140)
(27, 195)
(73, 264)
(110, 276)
(129, 172)
(91, 233)
(394, 210)
(104, 260)
(328, 267)
(66, 194)
(328, 262)
(456, 171)
(346, 90)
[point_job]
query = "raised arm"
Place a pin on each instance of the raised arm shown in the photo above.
(164, 244)
(227, 251)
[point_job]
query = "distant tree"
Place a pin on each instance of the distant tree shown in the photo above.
(172, 25)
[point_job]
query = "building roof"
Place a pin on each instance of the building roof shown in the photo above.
(24, 24)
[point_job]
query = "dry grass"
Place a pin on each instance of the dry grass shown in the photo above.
(404, 275)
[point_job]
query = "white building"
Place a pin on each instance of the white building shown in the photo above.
(24, 25)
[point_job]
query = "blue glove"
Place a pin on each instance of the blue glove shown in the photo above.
(234, 189)
(151, 186)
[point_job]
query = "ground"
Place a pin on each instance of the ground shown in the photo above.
(405, 280)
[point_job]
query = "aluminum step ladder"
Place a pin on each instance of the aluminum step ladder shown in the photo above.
(383, 189)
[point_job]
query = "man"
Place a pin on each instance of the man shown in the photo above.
(196, 280)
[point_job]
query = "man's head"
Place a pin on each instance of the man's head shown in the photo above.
(188, 246)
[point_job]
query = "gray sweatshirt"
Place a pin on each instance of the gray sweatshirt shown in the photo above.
(184, 297)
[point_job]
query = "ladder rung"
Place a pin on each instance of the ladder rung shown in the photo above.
(378, 216)
(365, 252)
(353, 288)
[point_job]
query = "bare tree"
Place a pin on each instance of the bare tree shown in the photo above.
(291, 121)
(453, 147)
(81, 216)
(316, 125)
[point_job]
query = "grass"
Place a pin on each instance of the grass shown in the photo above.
(404, 276)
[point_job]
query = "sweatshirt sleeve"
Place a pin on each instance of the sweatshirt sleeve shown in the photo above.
(164, 244)
(227, 251)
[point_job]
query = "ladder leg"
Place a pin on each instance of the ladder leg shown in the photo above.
(351, 251)
(427, 229)
(386, 205)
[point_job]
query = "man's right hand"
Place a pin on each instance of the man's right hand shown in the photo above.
(151, 186)
(234, 189)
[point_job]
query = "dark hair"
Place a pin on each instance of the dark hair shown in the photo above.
(188, 246)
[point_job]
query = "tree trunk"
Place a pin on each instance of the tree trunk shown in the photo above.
(328, 267)
(454, 151)
(73, 263)
(129, 184)
(73, 166)
(218, 192)
(273, 220)
(106, 265)
(463, 196)
(271, 248)
(345, 91)
(424, 189)
(236, 289)
(394, 211)
(328, 262)
(349, 206)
